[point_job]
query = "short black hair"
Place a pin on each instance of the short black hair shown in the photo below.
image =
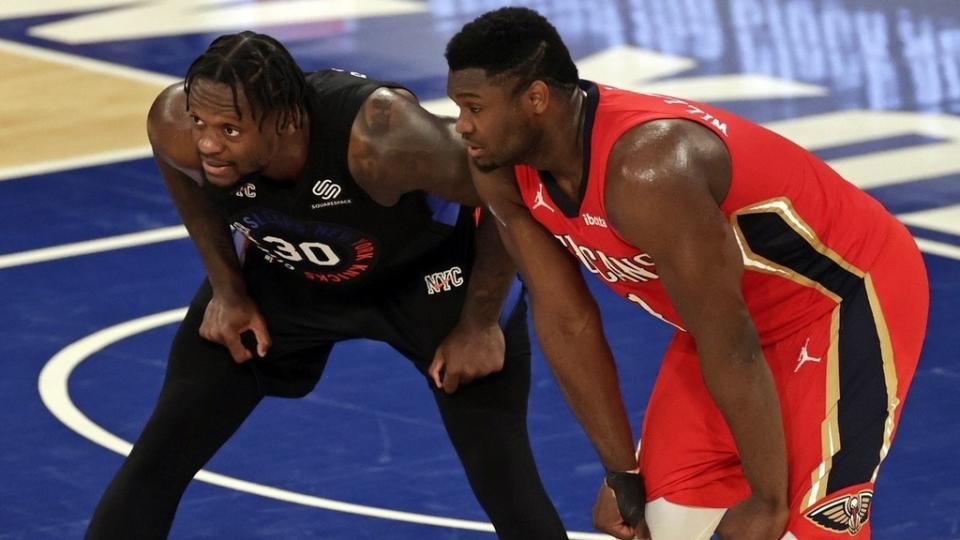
(262, 66)
(515, 42)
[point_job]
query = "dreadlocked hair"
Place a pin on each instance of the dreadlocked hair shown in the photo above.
(262, 67)
(514, 42)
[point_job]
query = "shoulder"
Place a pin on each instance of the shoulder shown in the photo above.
(337, 91)
(660, 170)
(665, 157)
(388, 122)
(396, 146)
(331, 79)
(168, 128)
(168, 112)
(669, 145)
(387, 108)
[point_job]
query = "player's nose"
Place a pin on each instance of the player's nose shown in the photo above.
(464, 125)
(208, 145)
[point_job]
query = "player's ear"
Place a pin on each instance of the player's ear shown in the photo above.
(537, 96)
(293, 121)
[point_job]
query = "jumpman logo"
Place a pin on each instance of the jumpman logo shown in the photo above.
(805, 356)
(538, 200)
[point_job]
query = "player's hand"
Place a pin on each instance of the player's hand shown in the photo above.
(227, 318)
(754, 519)
(468, 352)
(618, 510)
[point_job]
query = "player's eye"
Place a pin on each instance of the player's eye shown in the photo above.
(196, 121)
(230, 131)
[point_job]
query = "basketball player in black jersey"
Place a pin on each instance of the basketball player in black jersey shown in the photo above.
(344, 199)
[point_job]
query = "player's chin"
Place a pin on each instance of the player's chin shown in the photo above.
(486, 165)
(224, 180)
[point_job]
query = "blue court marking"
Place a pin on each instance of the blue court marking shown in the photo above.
(82, 204)
(919, 195)
(358, 436)
(946, 238)
(878, 145)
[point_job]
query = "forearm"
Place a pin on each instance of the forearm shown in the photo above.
(584, 368)
(208, 231)
(491, 276)
(567, 322)
(742, 386)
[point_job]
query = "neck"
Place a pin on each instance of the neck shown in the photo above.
(561, 152)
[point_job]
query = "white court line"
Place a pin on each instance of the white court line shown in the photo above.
(177, 232)
(53, 385)
(93, 246)
(89, 64)
(938, 248)
(88, 160)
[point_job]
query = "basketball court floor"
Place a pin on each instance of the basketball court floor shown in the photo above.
(95, 269)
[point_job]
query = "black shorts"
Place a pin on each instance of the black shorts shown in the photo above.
(413, 315)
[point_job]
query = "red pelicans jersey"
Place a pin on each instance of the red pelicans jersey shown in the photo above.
(807, 236)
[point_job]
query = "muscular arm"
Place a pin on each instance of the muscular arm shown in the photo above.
(234, 312)
(665, 179)
(567, 322)
(397, 147)
(169, 135)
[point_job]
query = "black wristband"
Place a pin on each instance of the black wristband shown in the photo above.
(630, 494)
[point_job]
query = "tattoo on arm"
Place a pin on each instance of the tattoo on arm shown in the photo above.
(375, 120)
(371, 128)
(396, 147)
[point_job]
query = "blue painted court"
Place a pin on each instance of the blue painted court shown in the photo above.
(94, 266)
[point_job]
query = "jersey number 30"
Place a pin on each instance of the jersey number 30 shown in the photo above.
(315, 252)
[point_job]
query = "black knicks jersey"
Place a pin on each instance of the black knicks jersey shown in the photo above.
(324, 228)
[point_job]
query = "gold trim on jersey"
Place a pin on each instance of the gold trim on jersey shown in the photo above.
(889, 370)
(784, 208)
(830, 427)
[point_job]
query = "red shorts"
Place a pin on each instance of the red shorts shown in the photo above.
(841, 381)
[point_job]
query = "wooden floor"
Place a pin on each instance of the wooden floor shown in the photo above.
(56, 108)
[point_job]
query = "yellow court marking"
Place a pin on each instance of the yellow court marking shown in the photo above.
(52, 109)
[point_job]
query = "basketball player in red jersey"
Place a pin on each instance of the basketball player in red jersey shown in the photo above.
(800, 303)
